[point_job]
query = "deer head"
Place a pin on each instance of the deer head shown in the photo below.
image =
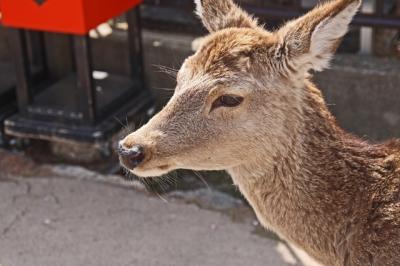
(240, 96)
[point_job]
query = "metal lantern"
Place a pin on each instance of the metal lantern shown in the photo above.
(85, 105)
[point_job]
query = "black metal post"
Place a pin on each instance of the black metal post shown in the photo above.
(20, 55)
(135, 45)
(37, 53)
(86, 92)
(379, 8)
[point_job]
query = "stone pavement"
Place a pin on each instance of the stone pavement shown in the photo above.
(59, 220)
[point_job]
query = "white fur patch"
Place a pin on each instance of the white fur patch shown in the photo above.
(199, 8)
(197, 43)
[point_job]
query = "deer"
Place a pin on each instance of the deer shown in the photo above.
(245, 103)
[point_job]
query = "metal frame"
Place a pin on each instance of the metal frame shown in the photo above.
(83, 61)
(178, 12)
(8, 105)
(90, 116)
(22, 67)
(135, 44)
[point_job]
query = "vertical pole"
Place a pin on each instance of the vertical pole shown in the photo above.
(41, 56)
(379, 8)
(86, 91)
(135, 45)
(36, 53)
(22, 67)
(366, 33)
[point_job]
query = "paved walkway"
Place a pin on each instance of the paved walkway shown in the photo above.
(62, 221)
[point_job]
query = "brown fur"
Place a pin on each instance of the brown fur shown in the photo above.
(323, 190)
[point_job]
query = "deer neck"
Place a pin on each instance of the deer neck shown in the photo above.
(299, 193)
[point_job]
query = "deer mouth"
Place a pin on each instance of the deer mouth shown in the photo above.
(152, 171)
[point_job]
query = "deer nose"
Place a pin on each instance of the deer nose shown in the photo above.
(131, 157)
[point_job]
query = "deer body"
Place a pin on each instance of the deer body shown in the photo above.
(244, 103)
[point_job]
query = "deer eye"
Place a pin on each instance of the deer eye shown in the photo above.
(227, 101)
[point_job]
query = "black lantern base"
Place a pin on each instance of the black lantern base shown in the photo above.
(5, 112)
(59, 102)
(25, 126)
(7, 97)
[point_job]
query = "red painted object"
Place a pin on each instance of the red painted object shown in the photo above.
(1, 13)
(64, 16)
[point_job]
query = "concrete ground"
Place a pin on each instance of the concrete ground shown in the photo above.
(65, 216)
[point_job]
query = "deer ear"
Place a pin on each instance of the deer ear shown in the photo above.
(309, 42)
(220, 14)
